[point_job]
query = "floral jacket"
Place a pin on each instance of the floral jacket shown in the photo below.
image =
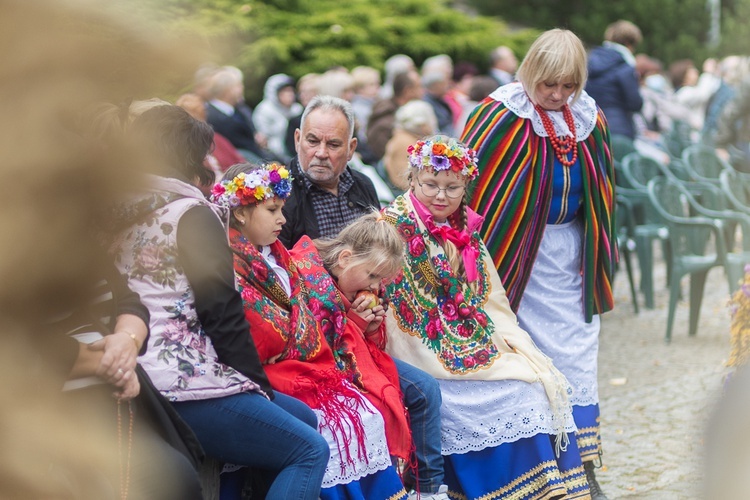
(180, 358)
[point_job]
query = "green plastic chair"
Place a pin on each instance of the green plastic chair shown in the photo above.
(622, 146)
(703, 164)
(635, 172)
(625, 232)
(713, 202)
(678, 138)
(736, 187)
(678, 170)
(689, 238)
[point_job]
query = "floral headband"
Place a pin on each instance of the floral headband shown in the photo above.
(438, 154)
(273, 180)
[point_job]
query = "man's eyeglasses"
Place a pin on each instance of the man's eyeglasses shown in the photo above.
(429, 189)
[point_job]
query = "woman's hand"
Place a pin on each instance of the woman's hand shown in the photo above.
(118, 358)
(129, 389)
(120, 350)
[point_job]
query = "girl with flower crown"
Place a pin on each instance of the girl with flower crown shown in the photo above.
(546, 191)
(291, 340)
(506, 419)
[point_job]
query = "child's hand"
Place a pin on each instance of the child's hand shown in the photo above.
(273, 359)
(379, 313)
(361, 307)
(374, 316)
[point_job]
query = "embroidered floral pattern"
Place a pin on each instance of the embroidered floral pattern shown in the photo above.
(455, 327)
(183, 341)
(328, 308)
(289, 317)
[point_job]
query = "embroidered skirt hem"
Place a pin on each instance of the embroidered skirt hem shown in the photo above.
(523, 470)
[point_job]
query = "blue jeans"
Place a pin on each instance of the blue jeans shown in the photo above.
(247, 429)
(422, 400)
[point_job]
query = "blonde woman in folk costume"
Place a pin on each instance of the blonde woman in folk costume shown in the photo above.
(546, 192)
(507, 427)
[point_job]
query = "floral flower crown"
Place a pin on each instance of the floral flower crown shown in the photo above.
(273, 180)
(444, 153)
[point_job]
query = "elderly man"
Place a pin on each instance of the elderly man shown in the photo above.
(326, 193)
(504, 65)
(228, 115)
(326, 196)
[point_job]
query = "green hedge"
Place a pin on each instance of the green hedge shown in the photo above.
(302, 36)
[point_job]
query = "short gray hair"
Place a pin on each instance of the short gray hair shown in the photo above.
(223, 79)
(330, 103)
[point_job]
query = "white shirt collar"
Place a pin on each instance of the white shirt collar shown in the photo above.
(517, 100)
(281, 273)
(222, 106)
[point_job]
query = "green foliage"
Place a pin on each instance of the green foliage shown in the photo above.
(672, 29)
(264, 37)
(735, 38)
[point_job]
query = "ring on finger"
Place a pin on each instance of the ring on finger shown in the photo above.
(120, 371)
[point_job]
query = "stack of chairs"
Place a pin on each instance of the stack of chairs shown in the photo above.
(698, 208)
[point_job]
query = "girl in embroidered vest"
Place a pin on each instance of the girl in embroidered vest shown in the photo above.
(297, 359)
(506, 420)
(547, 194)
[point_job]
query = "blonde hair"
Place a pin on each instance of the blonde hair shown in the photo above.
(370, 239)
(556, 55)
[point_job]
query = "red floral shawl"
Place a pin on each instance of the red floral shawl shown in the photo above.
(363, 363)
(284, 325)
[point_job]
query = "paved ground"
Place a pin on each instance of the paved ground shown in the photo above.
(655, 397)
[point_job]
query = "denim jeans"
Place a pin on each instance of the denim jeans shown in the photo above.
(422, 400)
(247, 429)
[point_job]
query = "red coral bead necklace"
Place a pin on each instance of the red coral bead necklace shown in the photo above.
(565, 145)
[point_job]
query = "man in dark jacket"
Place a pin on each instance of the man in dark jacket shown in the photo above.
(326, 194)
(229, 116)
(406, 86)
(613, 82)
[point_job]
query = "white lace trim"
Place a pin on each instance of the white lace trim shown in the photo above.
(517, 100)
(483, 414)
(378, 457)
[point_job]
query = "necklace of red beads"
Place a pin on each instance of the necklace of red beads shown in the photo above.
(561, 146)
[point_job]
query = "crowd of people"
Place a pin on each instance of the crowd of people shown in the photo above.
(358, 290)
(321, 342)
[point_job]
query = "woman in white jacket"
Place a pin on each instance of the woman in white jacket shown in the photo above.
(271, 116)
